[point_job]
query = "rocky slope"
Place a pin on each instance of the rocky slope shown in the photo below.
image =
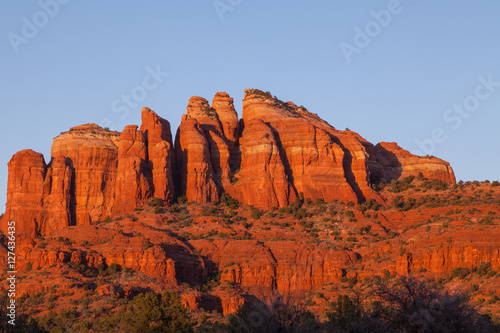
(126, 212)
(220, 256)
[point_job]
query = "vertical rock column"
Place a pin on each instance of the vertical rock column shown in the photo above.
(134, 181)
(194, 159)
(158, 136)
(25, 187)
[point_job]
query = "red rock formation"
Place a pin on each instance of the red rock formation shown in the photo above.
(38, 196)
(442, 256)
(319, 161)
(160, 153)
(193, 150)
(58, 196)
(393, 162)
(134, 180)
(289, 267)
(282, 152)
(224, 107)
(93, 153)
(262, 180)
(25, 190)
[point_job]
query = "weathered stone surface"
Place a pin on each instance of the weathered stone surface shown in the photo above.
(262, 179)
(393, 162)
(224, 107)
(58, 195)
(196, 175)
(134, 181)
(93, 154)
(25, 192)
(281, 152)
(319, 161)
(287, 267)
(160, 153)
(466, 249)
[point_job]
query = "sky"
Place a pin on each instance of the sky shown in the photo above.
(421, 73)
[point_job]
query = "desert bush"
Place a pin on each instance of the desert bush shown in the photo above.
(484, 269)
(277, 315)
(155, 202)
(459, 272)
(229, 201)
(412, 305)
(407, 305)
(435, 184)
(181, 199)
(349, 214)
(255, 213)
(210, 211)
(402, 185)
(153, 313)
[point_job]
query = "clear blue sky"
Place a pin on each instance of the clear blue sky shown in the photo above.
(398, 86)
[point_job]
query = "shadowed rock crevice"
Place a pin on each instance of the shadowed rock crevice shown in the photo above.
(349, 175)
(284, 161)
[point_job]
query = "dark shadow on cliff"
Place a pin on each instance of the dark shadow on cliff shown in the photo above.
(347, 165)
(388, 166)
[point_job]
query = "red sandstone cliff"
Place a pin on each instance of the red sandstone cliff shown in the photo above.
(278, 151)
(393, 162)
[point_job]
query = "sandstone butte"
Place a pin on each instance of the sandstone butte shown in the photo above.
(276, 153)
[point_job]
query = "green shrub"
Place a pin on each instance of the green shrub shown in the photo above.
(277, 315)
(181, 199)
(459, 272)
(345, 312)
(229, 201)
(153, 313)
(155, 202)
(402, 185)
(350, 215)
(255, 213)
(319, 201)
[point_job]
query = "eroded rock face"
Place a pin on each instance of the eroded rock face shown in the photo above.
(157, 132)
(39, 196)
(467, 249)
(93, 174)
(224, 107)
(201, 152)
(393, 162)
(93, 154)
(288, 267)
(283, 152)
(262, 180)
(134, 181)
(276, 153)
(25, 191)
